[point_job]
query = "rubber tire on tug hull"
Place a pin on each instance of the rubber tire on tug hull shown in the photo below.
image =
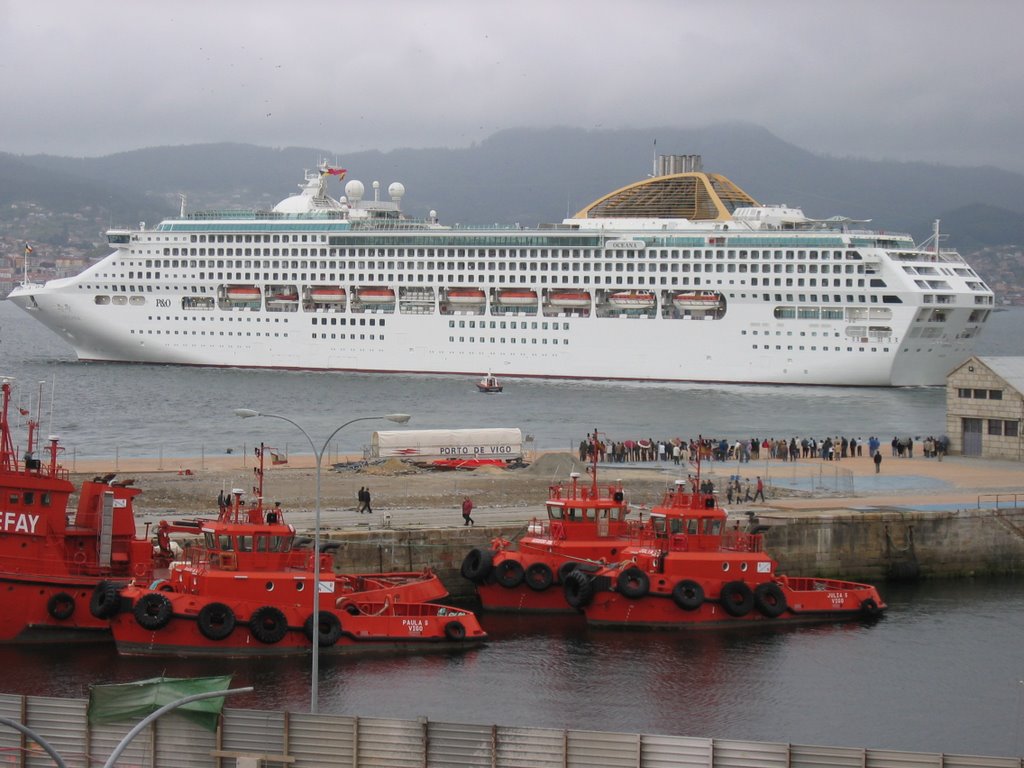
(688, 595)
(477, 565)
(728, 598)
(105, 602)
(633, 583)
(539, 576)
(268, 624)
(60, 606)
(153, 611)
(216, 621)
(770, 600)
(333, 633)
(455, 630)
(509, 573)
(870, 608)
(578, 589)
(565, 569)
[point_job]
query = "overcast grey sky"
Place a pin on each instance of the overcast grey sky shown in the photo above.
(931, 80)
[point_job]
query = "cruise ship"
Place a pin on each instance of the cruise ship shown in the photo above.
(681, 276)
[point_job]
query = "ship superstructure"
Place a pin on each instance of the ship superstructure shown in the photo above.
(681, 276)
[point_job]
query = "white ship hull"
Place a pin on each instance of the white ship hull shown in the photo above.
(821, 305)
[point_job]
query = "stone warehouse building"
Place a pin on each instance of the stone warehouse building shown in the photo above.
(985, 407)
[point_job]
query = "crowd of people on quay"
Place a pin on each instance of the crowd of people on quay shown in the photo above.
(679, 450)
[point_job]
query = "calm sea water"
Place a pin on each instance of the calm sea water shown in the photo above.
(942, 671)
(103, 409)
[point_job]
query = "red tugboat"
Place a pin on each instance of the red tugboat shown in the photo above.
(687, 570)
(246, 590)
(49, 566)
(586, 524)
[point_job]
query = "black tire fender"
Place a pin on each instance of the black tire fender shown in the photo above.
(509, 573)
(153, 611)
(770, 600)
(565, 569)
(328, 630)
(477, 565)
(268, 624)
(60, 606)
(216, 621)
(578, 589)
(870, 608)
(633, 583)
(105, 602)
(539, 576)
(736, 598)
(455, 630)
(688, 595)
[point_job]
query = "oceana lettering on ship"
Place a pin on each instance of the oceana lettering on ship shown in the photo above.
(679, 277)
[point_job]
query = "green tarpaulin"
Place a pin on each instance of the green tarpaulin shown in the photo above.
(133, 701)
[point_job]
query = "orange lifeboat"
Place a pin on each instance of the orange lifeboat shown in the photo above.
(632, 299)
(327, 294)
(376, 295)
(243, 293)
(466, 296)
(696, 300)
(569, 299)
(516, 297)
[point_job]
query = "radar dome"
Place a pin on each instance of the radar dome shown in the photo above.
(354, 190)
(396, 190)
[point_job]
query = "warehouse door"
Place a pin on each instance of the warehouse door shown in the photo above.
(972, 437)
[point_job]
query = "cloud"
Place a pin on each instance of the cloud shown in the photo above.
(915, 80)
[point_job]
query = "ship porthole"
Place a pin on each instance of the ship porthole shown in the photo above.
(743, 567)
(269, 586)
(725, 566)
(299, 586)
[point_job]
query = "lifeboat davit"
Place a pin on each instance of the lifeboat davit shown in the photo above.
(377, 295)
(464, 296)
(571, 299)
(243, 293)
(697, 300)
(632, 299)
(517, 298)
(327, 295)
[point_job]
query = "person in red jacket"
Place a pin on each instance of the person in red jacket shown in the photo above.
(467, 510)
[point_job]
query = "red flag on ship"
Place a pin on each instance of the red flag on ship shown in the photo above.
(339, 172)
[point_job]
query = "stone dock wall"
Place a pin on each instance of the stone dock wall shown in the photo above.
(870, 546)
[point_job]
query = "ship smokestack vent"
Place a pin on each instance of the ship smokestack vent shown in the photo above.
(670, 164)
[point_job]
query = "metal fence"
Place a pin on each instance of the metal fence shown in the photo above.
(268, 738)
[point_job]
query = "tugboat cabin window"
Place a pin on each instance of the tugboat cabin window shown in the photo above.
(245, 543)
(226, 543)
(554, 513)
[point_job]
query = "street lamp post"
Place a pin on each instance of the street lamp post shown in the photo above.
(248, 413)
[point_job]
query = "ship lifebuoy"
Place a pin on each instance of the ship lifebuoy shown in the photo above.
(455, 630)
(79, 558)
(578, 589)
(153, 611)
(268, 624)
(539, 576)
(141, 569)
(328, 630)
(688, 595)
(61, 606)
(215, 621)
(737, 599)
(633, 583)
(770, 599)
(565, 569)
(106, 600)
(476, 566)
(509, 573)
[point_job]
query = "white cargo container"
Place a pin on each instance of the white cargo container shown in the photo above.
(449, 444)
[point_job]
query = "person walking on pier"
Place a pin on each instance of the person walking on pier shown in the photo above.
(467, 510)
(878, 462)
(760, 489)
